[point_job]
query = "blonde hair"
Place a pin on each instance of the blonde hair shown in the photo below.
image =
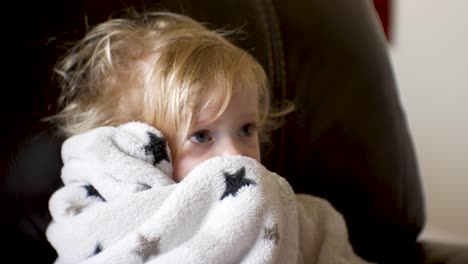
(162, 61)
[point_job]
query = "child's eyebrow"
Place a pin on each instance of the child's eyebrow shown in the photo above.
(250, 114)
(252, 117)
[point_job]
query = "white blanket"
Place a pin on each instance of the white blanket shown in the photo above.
(119, 204)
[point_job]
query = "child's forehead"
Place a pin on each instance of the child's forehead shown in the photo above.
(243, 100)
(214, 93)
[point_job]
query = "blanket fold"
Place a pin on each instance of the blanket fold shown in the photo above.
(119, 204)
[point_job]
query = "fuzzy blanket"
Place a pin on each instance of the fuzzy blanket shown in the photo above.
(119, 204)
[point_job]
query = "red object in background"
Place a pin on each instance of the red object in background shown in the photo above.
(383, 9)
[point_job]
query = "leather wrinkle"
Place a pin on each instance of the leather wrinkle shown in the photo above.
(277, 70)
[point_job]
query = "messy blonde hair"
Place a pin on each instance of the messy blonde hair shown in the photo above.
(155, 68)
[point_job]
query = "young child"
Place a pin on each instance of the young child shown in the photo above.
(162, 165)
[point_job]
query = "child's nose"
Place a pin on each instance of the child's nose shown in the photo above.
(231, 148)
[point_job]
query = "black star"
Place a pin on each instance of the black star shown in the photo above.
(97, 249)
(74, 209)
(271, 234)
(143, 187)
(157, 148)
(147, 247)
(91, 191)
(234, 182)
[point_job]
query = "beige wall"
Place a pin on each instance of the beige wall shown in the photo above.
(430, 56)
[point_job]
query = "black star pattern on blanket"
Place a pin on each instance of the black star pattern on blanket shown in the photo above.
(157, 148)
(74, 209)
(97, 249)
(147, 247)
(271, 234)
(234, 182)
(91, 191)
(143, 187)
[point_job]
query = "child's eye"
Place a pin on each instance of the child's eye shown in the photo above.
(200, 137)
(247, 130)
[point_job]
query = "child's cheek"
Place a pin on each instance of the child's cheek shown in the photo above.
(188, 159)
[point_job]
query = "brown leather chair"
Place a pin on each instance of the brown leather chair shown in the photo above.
(348, 140)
